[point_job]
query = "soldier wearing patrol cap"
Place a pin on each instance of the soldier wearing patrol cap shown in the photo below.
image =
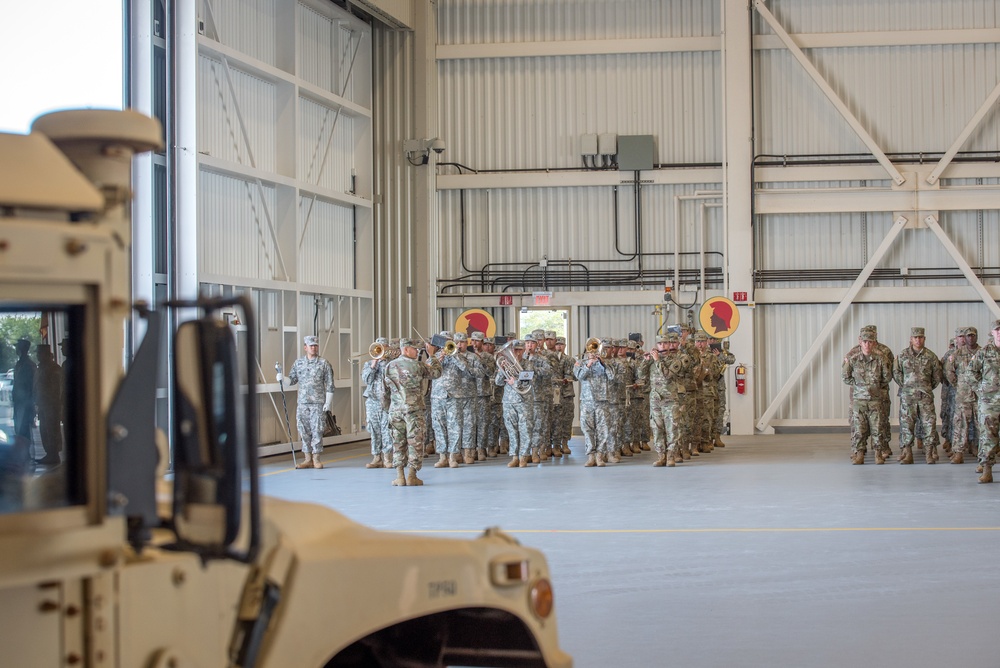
(667, 385)
(965, 412)
(404, 379)
(376, 409)
(564, 415)
(594, 374)
(867, 374)
(541, 397)
(917, 371)
(635, 415)
(688, 408)
(517, 410)
(708, 396)
(948, 390)
(484, 397)
(314, 375)
(985, 368)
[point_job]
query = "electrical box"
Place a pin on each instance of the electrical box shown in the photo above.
(607, 144)
(588, 144)
(636, 152)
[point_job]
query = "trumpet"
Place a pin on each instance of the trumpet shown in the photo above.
(593, 347)
(450, 348)
(377, 351)
(511, 368)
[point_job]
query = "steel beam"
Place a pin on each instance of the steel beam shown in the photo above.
(848, 200)
(908, 294)
(838, 313)
(964, 135)
(960, 260)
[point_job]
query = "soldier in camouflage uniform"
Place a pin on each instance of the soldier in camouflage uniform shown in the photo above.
(972, 338)
(868, 374)
(484, 397)
(985, 368)
(688, 409)
(494, 413)
(886, 403)
(619, 399)
(948, 393)
(917, 371)
(541, 397)
(404, 379)
(727, 359)
(550, 441)
(666, 379)
(314, 375)
(594, 376)
(564, 415)
(636, 412)
(712, 370)
(377, 409)
(518, 409)
(965, 414)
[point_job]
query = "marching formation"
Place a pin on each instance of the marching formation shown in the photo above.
(469, 398)
(969, 376)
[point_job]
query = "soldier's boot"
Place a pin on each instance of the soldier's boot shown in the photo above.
(693, 450)
(481, 454)
(467, 456)
(543, 454)
(930, 455)
(906, 455)
(534, 456)
(601, 459)
(934, 452)
(626, 451)
(453, 460)
(442, 461)
(956, 457)
(615, 458)
(307, 461)
(987, 475)
(661, 459)
(491, 452)
(920, 444)
(556, 452)
(504, 446)
(523, 462)
(858, 457)
(979, 468)
(429, 449)
(591, 460)
(644, 446)
(879, 456)
(387, 459)
(317, 464)
(565, 448)
(513, 463)
(684, 453)
(375, 463)
(718, 441)
(708, 447)
(946, 446)
(400, 480)
(671, 459)
(411, 478)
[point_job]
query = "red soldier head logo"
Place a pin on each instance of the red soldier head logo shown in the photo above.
(722, 316)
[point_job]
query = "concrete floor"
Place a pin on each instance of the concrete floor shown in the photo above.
(774, 551)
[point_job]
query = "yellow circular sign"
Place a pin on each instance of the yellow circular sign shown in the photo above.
(719, 317)
(476, 320)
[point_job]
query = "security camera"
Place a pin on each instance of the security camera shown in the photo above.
(437, 145)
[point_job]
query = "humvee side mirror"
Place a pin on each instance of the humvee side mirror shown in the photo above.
(214, 435)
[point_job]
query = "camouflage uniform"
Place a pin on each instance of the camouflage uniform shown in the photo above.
(965, 384)
(868, 375)
(541, 397)
(616, 399)
(452, 395)
(376, 405)
(726, 358)
(518, 413)
(917, 373)
(985, 367)
(948, 394)
(884, 400)
(484, 400)
(563, 430)
(667, 385)
(404, 378)
(688, 408)
(594, 408)
(708, 395)
(315, 380)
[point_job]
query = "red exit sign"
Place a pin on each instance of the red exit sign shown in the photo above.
(739, 296)
(506, 300)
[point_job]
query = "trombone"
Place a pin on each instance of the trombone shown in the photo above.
(449, 348)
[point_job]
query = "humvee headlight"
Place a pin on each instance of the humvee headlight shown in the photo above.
(541, 598)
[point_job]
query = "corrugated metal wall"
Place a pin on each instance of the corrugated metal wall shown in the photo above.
(509, 113)
(327, 249)
(233, 236)
(248, 26)
(323, 160)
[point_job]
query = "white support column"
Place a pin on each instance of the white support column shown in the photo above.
(186, 151)
(974, 281)
(851, 119)
(141, 73)
(737, 83)
(838, 313)
(424, 229)
(964, 135)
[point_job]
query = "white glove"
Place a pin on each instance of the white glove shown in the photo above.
(329, 401)
(278, 378)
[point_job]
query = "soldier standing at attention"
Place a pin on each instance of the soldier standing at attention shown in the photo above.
(957, 371)
(541, 396)
(484, 397)
(314, 375)
(404, 379)
(666, 387)
(948, 391)
(517, 410)
(868, 374)
(917, 371)
(567, 395)
(376, 409)
(985, 368)
(594, 377)
(727, 359)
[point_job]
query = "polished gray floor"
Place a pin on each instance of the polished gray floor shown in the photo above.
(774, 551)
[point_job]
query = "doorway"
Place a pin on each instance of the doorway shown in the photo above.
(549, 320)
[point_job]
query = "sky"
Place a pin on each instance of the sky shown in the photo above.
(57, 54)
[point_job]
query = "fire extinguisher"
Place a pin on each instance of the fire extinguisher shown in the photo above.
(741, 379)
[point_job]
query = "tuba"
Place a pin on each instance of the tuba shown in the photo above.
(511, 368)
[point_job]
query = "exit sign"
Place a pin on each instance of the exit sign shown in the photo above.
(541, 298)
(506, 300)
(739, 296)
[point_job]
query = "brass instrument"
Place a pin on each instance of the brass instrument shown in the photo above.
(511, 368)
(450, 348)
(377, 351)
(594, 348)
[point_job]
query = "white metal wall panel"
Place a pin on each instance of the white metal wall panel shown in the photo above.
(519, 113)
(220, 134)
(324, 160)
(326, 53)
(327, 249)
(249, 26)
(489, 21)
(316, 48)
(811, 16)
(786, 331)
(233, 233)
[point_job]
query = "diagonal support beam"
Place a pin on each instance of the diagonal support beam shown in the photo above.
(970, 127)
(970, 275)
(834, 320)
(851, 119)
